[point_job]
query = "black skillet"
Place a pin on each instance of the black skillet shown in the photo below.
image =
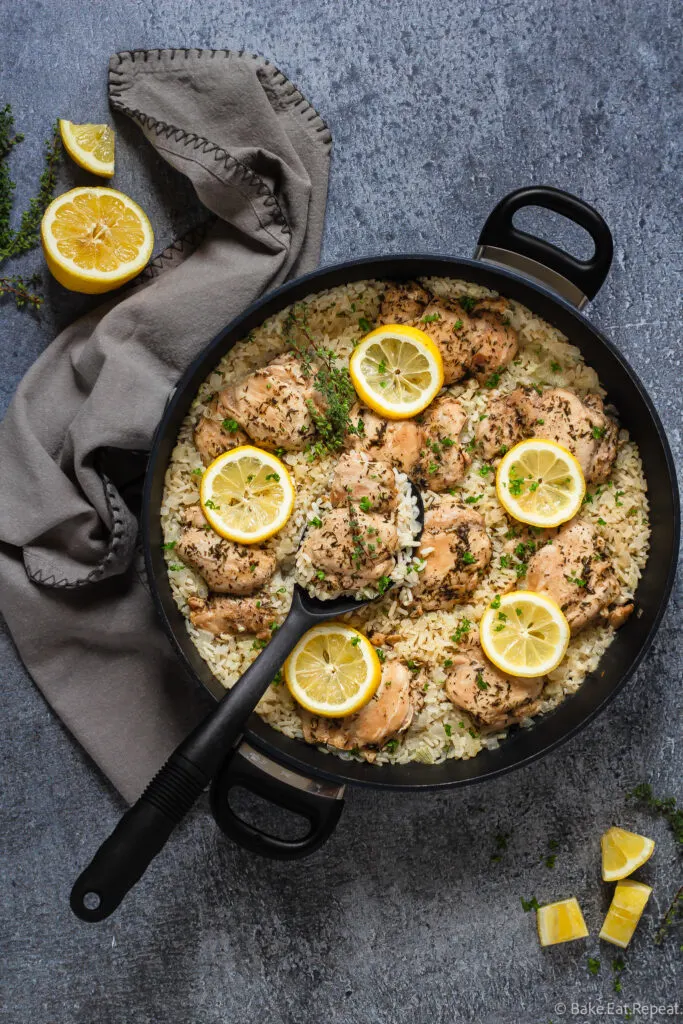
(555, 286)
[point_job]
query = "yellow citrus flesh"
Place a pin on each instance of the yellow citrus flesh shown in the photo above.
(560, 922)
(526, 634)
(623, 853)
(397, 370)
(247, 495)
(541, 483)
(95, 239)
(91, 146)
(333, 670)
(628, 904)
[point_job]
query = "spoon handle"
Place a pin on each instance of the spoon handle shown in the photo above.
(144, 829)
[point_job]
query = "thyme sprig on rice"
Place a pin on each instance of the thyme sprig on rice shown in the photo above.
(333, 382)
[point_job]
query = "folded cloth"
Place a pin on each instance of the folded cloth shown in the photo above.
(71, 583)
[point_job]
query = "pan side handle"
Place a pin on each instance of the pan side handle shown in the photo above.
(575, 280)
(319, 802)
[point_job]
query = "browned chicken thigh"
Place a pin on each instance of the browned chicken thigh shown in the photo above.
(216, 431)
(237, 615)
(456, 549)
(442, 462)
(388, 713)
(226, 567)
(351, 550)
(558, 414)
(403, 303)
(397, 442)
(576, 573)
(358, 477)
(474, 335)
(491, 697)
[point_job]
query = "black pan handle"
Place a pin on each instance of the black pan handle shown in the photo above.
(319, 802)
(576, 280)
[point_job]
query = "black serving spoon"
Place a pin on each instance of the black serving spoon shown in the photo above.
(123, 858)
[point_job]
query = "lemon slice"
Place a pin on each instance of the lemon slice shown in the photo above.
(95, 239)
(626, 908)
(623, 853)
(333, 670)
(397, 370)
(247, 494)
(541, 483)
(526, 634)
(91, 146)
(560, 922)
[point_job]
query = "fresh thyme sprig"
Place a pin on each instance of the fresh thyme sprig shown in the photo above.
(666, 807)
(333, 382)
(27, 236)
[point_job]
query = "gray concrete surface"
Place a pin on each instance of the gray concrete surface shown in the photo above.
(436, 110)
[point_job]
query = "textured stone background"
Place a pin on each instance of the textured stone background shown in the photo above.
(436, 110)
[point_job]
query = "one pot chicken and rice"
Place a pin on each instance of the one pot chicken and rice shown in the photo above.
(331, 461)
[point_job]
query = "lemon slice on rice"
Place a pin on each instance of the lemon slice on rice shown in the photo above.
(91, 146)
(397, 370)
(95, 239)
(541, 483)
(333, 670)
(623, 853)
(526, 634)
(247, 495)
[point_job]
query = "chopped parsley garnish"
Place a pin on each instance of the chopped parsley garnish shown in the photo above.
(505, 562)
(281, 590)
(471, 445)
(472, 499)
(211, 504)
(176, 568)
(468, 558)
(503, 450)
(516, 486)
(601, 521)
(457, 326)
(391, 746)
(461, 631)
(550, 860)
(520, 570)
(365, 504)
(413, 666)
(598, 432)
(467, 302)
(555, 366)
(540, 422)
(364, 324)
(618, 966)
(169, 546)
(481, 682)
(593, 965)
(448, 662)
(433, 467)
(496, 602)
(493, 380)
(198, 471)
(617, 495)
(447, 442)
(575, 579)
(431, 318)
(448, 729)
(472, 733)
(383, 584)
(279, 452)
(232, 426)
(485, 470)
(273, 476)
(258, 645)
(320, 574)
(277, 678)
(315, 521)
(355, 640)
(380, 654)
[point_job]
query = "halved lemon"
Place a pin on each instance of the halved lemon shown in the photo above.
(397, 370)
(541, 483)
(95, 239)
(560, 922)
(91, 146)
(333, 670)
(623, 853)
(526, 634)
(246, 494)
(626, 908)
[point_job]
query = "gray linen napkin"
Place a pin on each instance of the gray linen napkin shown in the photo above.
(71, 586)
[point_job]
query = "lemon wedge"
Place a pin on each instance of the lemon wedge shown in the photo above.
(560, 922)
(397, 370)
(525, 634)
(623, 853)
(91, 146)
(626, 908)
(247, 495)
(95, 239)
(333, 670)
(541, 483)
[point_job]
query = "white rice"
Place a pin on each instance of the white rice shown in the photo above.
(618, 511)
